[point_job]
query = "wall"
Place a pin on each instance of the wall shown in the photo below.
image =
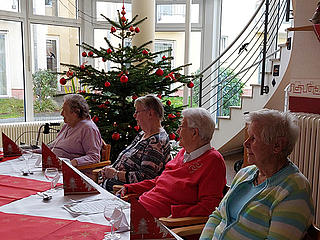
(304, 64)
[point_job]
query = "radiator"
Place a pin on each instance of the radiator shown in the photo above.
(27, 132)
(306, 155)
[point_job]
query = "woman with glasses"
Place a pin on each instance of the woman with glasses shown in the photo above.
(147, 155)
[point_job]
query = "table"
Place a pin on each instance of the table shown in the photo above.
(32, 218)
(32, 209)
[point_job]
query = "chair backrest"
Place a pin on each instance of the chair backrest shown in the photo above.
(105, 151)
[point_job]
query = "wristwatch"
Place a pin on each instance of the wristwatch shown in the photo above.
(116, 176)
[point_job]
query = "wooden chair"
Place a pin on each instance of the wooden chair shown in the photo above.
(186, 227)
(105, 160)
(313, 233)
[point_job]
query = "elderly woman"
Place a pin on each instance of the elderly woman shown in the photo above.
(147, 155)
(79, 139)
(192, 183)
(270, 199)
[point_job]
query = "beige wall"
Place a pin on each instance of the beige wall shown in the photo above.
(304, 63)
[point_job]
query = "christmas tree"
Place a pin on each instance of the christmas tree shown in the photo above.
(135, 73)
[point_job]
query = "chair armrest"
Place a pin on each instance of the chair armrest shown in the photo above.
(116, 188)
(189, 230)
(94, 165)
(183, 221)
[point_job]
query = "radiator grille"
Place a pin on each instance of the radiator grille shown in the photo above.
(306, 155)
(27, 132)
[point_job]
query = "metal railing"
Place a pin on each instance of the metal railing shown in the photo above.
(244, 60)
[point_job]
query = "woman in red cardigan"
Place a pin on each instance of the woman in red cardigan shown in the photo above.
(192, 183)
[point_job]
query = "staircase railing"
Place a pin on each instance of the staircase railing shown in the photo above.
(244, 60)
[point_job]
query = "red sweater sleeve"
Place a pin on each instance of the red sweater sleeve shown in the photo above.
(210, 188)
(141, 187)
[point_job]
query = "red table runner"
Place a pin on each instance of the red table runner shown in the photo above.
(15, 188)
(16, 226)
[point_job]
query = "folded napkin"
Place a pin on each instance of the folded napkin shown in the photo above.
(121, 224)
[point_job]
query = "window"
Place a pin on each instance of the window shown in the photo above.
(52, 56)
(160, 45)
(52, 45)
(11, 73)
(10, 5)
(60, 8)
(109, 9)
(3, 65)
(175, 13)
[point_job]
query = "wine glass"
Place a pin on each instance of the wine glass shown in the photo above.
(53, 175)
(27, 155)
(112, 214)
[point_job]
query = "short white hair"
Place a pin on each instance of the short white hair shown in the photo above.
(274, 124)
(201, 119)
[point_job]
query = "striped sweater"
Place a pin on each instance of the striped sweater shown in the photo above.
(283, 209)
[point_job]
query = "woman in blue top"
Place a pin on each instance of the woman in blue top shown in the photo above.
(271, 199)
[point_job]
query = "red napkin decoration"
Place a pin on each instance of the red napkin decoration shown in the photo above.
(49, 159)
(144, 226)
(10, 148)
(73, 183)
(316, 29)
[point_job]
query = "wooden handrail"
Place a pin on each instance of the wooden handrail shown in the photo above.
(302, 28)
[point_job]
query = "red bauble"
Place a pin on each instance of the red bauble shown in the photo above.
(107, 84)
(69, 73)
(90, 54)
(84, 54)
(171, 116)
(123, 12)
(171, 75)
(145, 52)
(178, 114)
(168, 102)
(95, 119)
(123, 19)
(113, 29)
(107, 102)
(131, 29)
(163, 57)
(159, 72)
(109, 50)
(159, 96)
(190, 84)
(136, 128)
(104, 60)
(137, 29)
(63, 81)
(101, 106)
(115, 136)
(123, 79)
(172, 136)
(82, 66)
(134, 97)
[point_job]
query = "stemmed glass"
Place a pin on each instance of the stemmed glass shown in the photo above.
(27, 155)
(53, 175)
(112, 214)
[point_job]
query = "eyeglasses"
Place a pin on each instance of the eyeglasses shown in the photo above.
(136, 112)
